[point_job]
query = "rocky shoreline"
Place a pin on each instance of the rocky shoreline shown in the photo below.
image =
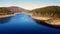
(4, 16)
(46, 20)
(43, 22)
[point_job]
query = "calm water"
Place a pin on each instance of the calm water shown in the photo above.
(22, 23)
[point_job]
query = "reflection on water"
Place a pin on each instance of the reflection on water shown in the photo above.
(4, 20)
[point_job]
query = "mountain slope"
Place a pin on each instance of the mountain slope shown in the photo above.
(49, 11)
(47, 15)
(17, 9)
(5, 11)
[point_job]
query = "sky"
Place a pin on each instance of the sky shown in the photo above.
(29, 4)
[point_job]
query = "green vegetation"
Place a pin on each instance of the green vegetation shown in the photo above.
(5, 11)
(49, 11)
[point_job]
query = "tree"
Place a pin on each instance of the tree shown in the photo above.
(5, 11)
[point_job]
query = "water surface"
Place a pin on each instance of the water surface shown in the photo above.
(22, 23)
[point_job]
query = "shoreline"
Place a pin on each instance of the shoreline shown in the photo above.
(4, 16)
(47, 21)
(46, 24)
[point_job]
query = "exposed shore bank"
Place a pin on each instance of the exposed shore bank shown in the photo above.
(4, 16)
(46, 20)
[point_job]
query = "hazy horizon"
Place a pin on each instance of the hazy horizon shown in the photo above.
(29, 4)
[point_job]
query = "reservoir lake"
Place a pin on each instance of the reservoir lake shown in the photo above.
(24, 24)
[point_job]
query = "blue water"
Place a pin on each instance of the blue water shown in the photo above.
(23, 24)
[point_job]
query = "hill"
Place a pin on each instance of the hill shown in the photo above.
(17, 9)
(5, 11)
(47, 15)
(49, 11)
